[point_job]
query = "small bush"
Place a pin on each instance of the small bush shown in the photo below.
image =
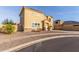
(2, 30)
(8, 26)
(9, 29)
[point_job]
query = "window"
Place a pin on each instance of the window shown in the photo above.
(35, 25)
(56, 22)
(38, 24)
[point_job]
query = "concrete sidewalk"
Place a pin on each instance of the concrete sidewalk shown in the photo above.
(6, 37)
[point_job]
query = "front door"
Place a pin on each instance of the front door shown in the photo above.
(46, 26)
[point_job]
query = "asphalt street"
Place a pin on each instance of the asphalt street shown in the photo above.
(70, 44)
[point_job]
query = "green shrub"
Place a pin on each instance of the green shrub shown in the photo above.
(9, 28)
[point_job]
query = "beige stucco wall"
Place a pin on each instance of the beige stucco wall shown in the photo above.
(21, 25)
(31, 16)
(52, 23)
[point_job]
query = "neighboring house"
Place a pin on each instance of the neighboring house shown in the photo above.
(66, 25)
(34, 20)
(58, 24)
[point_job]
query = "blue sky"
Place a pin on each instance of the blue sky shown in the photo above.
(58, 12)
